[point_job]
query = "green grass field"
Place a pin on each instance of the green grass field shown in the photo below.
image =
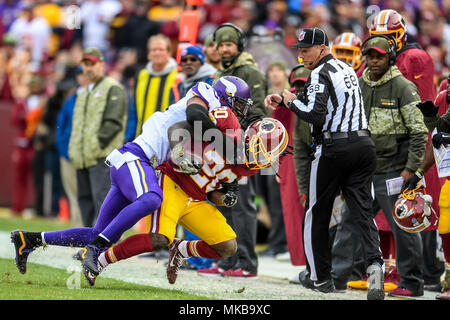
(46, 283)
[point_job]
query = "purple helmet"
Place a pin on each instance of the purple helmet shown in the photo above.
(234, 93)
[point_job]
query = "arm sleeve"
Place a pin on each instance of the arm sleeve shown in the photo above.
(441, 123)
(112, 121)
(314, 108)
(197, 112)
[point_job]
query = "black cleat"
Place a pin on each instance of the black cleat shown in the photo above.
(89, 260)
(24, 243)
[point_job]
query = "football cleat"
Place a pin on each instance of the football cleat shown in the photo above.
(214, 271)
(89, 260)
(175, 261)
(404, 292)
(24, 244)
(239, 273)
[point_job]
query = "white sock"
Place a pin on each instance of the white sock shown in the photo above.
(182, 247)
(102, 260)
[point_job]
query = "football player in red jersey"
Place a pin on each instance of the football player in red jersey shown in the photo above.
(191, 200)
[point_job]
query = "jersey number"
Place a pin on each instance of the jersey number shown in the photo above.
(210, 177)
(350, 80)
(220, 113)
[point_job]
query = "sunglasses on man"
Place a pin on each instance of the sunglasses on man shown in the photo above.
(189, 59)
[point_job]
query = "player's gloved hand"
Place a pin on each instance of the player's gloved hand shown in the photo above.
(230, 199)
(231, 190)
(187, 165)
(427, 108)
(440, 138)
(411, 183)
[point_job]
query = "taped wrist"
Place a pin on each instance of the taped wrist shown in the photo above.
(420, 172)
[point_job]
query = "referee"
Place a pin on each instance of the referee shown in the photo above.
(344, 160)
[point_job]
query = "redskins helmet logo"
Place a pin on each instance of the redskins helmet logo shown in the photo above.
(266, 127)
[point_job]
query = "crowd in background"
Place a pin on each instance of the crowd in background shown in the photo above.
(43, 41)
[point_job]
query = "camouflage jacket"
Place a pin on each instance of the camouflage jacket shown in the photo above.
(245, 68)
(397, 125)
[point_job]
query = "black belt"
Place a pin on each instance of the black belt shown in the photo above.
(346, 135)
(328, 137)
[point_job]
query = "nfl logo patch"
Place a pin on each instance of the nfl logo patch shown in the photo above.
(301, 36)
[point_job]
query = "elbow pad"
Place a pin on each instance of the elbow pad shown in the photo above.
(197, 112)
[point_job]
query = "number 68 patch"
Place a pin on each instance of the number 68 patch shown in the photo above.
(316, 88)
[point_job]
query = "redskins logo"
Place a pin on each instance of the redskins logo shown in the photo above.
(266, 127)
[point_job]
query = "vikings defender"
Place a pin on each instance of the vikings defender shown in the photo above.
(191, 200)
(134, 186)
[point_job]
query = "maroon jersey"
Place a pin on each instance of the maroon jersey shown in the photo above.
(215, 170)
(417, 66)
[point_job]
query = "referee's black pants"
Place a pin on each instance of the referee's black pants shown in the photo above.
(347, 165)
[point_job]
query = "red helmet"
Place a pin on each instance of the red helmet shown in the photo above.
(390, 23)
(347, 47)
(265, 141)
(412, 211)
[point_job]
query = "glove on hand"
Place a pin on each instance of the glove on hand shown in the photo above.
(440, 138)
(187, 165)
(427, 108)
(412, 182)
(230, 199)
(231, 193)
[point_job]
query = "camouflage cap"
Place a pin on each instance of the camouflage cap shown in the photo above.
(226, 34)
(92, 54)
(379, 44)
(299, 73)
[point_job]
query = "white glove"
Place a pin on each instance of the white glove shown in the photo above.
(187, 165)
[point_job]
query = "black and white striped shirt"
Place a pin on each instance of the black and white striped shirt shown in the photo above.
(332, 99)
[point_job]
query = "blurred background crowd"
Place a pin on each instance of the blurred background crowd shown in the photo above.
(42, 45)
